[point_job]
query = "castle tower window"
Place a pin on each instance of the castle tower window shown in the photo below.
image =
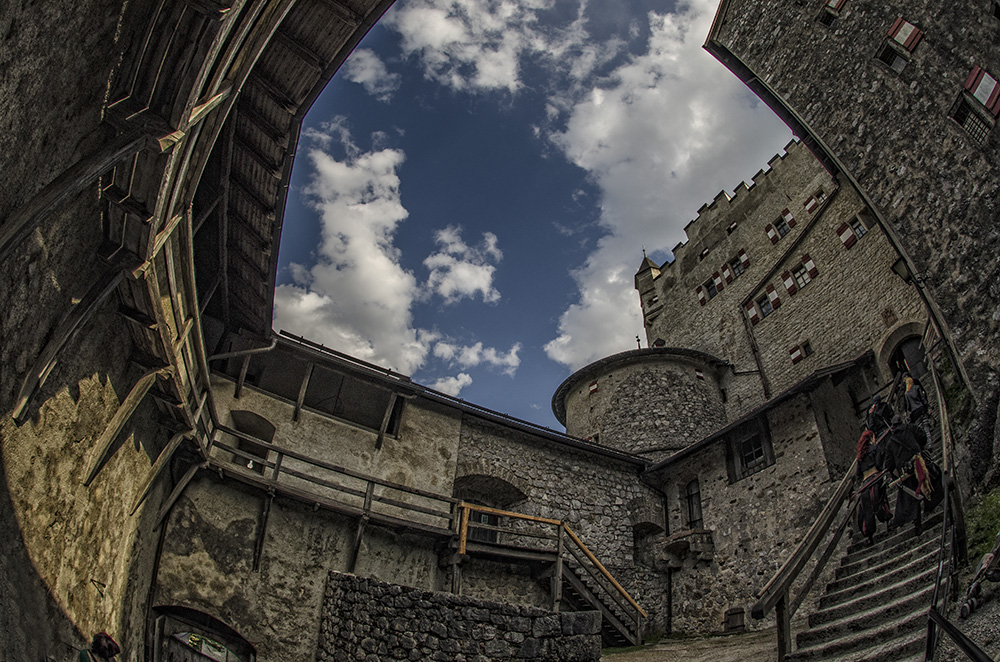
(801, 276)
(889, 56)
(905, 34)
(859, 227)
(737, 267)
(970, 120)
(826, 17)
(748, 449)
(781, 226)
(764, 304)
(807, 349)
(710, 287)
(692, 502)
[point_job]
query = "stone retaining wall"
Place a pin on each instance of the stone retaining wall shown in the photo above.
(365, 619)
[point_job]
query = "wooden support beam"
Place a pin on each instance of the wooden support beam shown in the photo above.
(64, 187)
(278, 136)
(205, 300)
(205, 213)
(557, 572)
(202, 109)
(66, 331)
(258, 550)
(344, 12)
(267, 163)
(177, 491)
(266, 207)
(121, 199)
(137, 317)
(302, 391)
(118, 421)
(127, 115)
(301, 52)
(360, 531)
(385, 420)
(275, 93)
(159, 465)
(161, 238)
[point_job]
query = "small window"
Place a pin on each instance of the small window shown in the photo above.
(710, 287)
(748, 449)
(891, 57)
(483, 535)
(764, 303)
(801, 276)
(820, 196)
(736, 266)
(996, 9)
(692, 500)
(859, 227)
(782, 226)
(703, 254)
(826, 17)
(807, 349)
(653, 300)
(970, 120)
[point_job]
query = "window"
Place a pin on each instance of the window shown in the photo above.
(820, 196)
(996, 9)
(807, 349)
(859, 227)
(737, 267)
(970, 120)
(888, 55)
(692, 501)
(710, 287)
(801, 276)
(748, 449)
(764, 303)
(483, 535)
(826, 17)
(782, 227)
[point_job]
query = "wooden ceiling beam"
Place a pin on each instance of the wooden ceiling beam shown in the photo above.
(345, 13)
(301, 52)
(275, 93)
(252, 115)
(251, 192)
(273, 168)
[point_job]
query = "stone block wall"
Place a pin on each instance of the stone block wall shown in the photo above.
(936, 186)
(364, 619)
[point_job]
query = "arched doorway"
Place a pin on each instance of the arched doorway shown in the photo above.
(183, 634)
(908, 356)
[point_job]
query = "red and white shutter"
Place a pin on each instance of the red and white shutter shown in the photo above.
(742, 254)
(701, 296)
(699, 374)
(835, 5)
(772, 234)
(752, 312)
(593, 388)
(789, 282)
(810, 266)
(727, 274)
(732, 226)
(984, 88)
(718, 281)
(772, 294)
(905, 34)
(796, 353)
(787, 215)
(846, 235)
(811, 205)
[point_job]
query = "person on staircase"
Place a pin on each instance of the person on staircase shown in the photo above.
(917, 407)
(878, 417)
(902, 459)
(873, 505)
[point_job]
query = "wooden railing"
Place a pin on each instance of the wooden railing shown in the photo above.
(556, 537)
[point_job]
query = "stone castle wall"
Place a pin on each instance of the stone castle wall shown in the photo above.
(893, 131)
(364, 619)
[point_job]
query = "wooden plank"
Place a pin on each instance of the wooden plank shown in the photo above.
(64, 187)
(359, 533)
(269, 165)
(137, 317)
(66, 331)
(275, 93)
(213, 8)
(557, 573)
(385, 421)
(344, 12)
(302, 390)
(205, 213)
(126, 203)
(161, 238)
(784, 628)
(201, 110)
(276, 135)
(118, 421)
(301, 52)
(158, 466)
(177, 491)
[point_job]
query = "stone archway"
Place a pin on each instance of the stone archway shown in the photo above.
(901, 344)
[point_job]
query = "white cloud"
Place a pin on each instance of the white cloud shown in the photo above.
(452, 385)
(366, 68)
(470, 356)
(459, 271)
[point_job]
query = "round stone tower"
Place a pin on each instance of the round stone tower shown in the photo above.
(646, 401)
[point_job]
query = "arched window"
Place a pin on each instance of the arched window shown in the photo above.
(489, 491)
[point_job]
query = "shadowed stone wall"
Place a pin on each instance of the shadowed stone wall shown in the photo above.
(364, 619)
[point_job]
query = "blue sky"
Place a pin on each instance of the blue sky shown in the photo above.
(473, 190)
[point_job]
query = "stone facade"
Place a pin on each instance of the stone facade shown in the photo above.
(364, 619)
(649, 402)
(899, 120)
(839, 298)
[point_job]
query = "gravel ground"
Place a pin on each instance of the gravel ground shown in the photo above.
(746, 647)
(982, 626)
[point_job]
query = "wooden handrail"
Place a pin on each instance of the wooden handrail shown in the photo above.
(603, 570)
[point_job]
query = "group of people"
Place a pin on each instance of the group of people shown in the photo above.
(890, 454)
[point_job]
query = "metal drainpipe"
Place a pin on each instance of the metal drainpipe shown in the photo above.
(245, 352)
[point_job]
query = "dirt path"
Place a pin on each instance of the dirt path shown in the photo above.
(749, 647)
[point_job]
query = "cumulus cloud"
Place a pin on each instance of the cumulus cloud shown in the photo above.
(367, 69)
(459, 271)
(452, 385)
(469, 356)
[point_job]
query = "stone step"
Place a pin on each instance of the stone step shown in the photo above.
(858, 622)
(856, 636)
(885, 539)
(906, 648)
(903, 591)
(889, 572)
(899, 546)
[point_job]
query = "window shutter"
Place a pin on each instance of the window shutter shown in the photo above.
(810, 265)
(984, 88)
(701, 295)
(835, 5)
(787, 215)
(846, 235)
(718, 281)
(905, 34)
(699, 374)
(593, 388)
(810, 204)
(771, 233)
(751, 309)
(742, 254)
(789, 282)
(772, 294)
(796, 353)
(727, 274)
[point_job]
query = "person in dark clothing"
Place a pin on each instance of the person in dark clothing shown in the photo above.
(901, 459)
(102, 649)
(873, 505)
(878, 417)
(917, 407)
